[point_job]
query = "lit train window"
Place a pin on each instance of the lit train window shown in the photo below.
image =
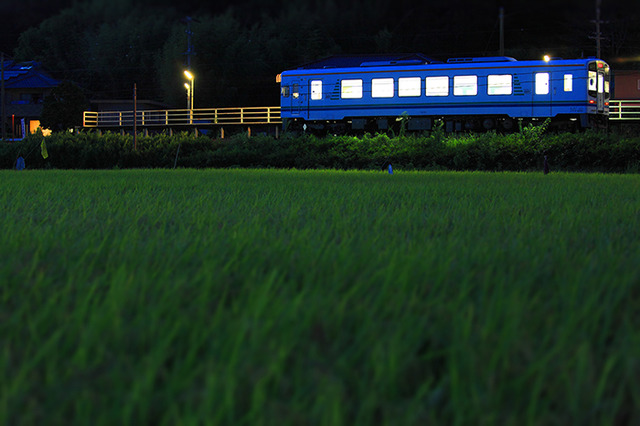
(409, 86)
(465, 85)
(285, 91)
(351, 89)
(382, 88)
(600, 83)
(499, 84)
(568, 82)
(542, 83)
(316, 90)
(593, 81)
(437, 86)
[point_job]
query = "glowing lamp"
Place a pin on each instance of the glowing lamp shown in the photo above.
(191, 92)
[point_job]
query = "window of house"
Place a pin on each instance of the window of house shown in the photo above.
(499, 84)
(542, 83)
(465, 85)
(382, 88)
(568, 82)
(437, 86)
(351, 89)
(409, 86)
(316, 90)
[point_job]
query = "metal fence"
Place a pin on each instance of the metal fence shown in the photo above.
(184, 117)
(628, 110)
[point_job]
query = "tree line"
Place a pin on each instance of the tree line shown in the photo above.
(106, 47)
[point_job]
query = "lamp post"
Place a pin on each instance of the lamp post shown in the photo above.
(191, 79)
(188, 87)
(190, 93)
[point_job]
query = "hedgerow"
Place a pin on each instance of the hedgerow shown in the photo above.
(526, 150)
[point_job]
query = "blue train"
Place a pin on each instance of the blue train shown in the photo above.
(372, 93)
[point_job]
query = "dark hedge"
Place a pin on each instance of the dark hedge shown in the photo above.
(523, 151)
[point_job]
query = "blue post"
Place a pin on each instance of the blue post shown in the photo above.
(20, 163)
(390, 169)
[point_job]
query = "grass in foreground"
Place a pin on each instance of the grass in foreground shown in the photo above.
(289, 297)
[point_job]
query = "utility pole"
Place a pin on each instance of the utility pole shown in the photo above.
(190, 51)
(598, 35)
(135, 117)
(4, 118)
(501, 31)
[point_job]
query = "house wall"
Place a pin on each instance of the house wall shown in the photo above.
(626, 85)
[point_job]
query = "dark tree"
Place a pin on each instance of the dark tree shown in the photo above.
(63, 108)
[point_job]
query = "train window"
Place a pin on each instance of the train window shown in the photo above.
(465, 85)
(437, 86)
(296, 91)
(600, 83)
(593, 81)
(499, 84)
(409, 86)
(316, 90)
(351, 89)
(568, 82)
(382, 88)
(542, 83)
(285, 91)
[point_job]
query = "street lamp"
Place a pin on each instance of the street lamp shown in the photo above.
(188, 87)
(192, 79)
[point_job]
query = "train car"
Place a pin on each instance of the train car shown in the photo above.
(465, 93)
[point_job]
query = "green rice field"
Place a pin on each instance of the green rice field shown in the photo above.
(284, 297)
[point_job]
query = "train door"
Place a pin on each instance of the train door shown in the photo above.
(598, 84)
(542, 94)
(298, 97)
(600, 97)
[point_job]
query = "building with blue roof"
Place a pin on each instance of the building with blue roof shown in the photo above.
(26, 84)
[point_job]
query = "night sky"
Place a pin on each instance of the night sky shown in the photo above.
(106, 45)
(547, 20)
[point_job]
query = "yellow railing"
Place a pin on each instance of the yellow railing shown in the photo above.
(618, 110)
(184, 117)
(624, 110)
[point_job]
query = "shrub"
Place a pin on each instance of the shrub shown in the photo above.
(436, 150)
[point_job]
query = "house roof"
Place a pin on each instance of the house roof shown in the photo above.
(26, 75)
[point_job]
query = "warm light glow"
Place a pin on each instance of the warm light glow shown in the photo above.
(34, 125)
(186, 86)
(188, 75)
(546, 58)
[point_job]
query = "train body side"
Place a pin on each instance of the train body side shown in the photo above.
(475, 87)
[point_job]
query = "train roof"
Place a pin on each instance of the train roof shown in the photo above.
(352, 62)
